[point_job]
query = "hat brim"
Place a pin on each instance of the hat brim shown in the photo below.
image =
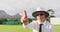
(34, 13)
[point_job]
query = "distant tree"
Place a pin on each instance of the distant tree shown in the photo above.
(51, 14)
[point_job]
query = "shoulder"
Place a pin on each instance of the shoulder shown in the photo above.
(48, 23)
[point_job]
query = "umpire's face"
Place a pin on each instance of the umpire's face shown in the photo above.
(40, 16)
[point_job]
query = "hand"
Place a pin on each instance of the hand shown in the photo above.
(24, 18)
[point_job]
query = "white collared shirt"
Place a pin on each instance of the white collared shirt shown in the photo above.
(46, 27)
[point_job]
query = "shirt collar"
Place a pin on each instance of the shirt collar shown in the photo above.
(40, 23)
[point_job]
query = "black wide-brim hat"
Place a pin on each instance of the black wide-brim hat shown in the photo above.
(34, 13)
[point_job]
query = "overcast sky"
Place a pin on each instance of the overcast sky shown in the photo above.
(13, 7)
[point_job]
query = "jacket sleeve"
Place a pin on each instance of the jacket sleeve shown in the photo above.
(30, 25)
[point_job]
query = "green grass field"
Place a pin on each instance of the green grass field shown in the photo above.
(19, 28)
